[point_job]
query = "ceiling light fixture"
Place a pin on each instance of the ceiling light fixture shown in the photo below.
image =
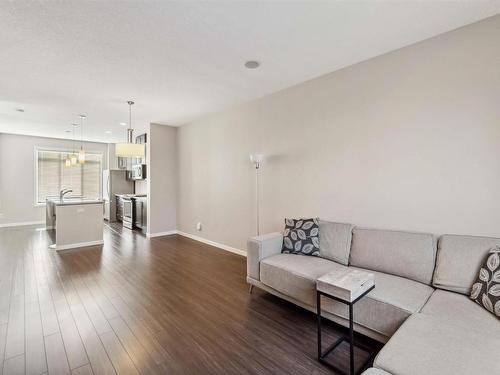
(81, 153)
(73, 157)
(19, 110)
(67, 160)
(252, 64)
(129, 149)
(123, 123)
(108, 131)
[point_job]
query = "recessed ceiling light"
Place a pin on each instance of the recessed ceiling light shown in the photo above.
(252, 64)
(19, 110)
(123, 123)
(108, 132)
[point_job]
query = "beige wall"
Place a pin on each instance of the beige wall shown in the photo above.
(162, 179)
(408, 140)
(17, 175)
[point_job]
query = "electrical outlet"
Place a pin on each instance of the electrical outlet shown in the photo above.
(198, 226)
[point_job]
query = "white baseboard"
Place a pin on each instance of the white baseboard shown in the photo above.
(212, 243)
(199, 239)
(158, 234)
(20, 224)
(75, 245)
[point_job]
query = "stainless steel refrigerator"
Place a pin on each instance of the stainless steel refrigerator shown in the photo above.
(114, 181)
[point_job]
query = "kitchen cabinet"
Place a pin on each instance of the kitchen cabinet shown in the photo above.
(141, 212)
(141, 139)
(77, 222)
(119, 208)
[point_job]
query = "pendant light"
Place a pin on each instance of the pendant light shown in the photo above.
(73, 157)
(81, 153)
(129, 149)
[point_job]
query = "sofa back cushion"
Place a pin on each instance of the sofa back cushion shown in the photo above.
(459, 259)
(335, 241)
(405, 254)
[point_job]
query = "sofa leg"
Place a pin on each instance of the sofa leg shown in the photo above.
(250, 289)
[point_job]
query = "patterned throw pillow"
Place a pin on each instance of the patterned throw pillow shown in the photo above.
(486, 288)
(301, 236)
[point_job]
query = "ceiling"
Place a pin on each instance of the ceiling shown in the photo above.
(181, 60)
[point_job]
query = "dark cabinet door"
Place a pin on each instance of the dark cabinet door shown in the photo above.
(144, 214)
(138, 213)
(119, 208)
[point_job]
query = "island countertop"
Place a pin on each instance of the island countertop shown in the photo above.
(74, 201)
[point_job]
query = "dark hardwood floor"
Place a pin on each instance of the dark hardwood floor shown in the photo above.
(167, 305)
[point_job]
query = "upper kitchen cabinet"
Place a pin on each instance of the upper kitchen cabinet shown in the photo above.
(141, 139)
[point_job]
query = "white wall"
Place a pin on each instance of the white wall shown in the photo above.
(162, 179)
(408, 140)
(112, 158)
(17, 175)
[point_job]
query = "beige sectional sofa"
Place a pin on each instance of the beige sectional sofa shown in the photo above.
(419, 307)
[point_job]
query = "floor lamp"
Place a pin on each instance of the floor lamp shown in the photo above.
(257, 160)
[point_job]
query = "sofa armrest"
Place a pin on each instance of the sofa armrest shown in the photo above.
(261, 247)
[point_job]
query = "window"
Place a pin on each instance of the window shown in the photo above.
(52, 175)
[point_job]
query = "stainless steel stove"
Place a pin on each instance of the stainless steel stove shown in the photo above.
(128, 212)
(129, 219)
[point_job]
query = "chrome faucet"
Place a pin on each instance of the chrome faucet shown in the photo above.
(63, 192)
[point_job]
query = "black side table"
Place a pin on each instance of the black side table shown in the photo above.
(349, 339)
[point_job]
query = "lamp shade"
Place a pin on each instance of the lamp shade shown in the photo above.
(256, 158)
(81, 156)
(129, 150)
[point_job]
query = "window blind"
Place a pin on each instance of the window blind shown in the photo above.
(53, 175)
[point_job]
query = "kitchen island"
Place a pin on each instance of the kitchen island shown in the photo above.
(77, 222)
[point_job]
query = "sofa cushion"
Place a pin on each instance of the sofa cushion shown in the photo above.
(405, 254)
(301, 236)
(335, 241)
(375, 371)
(461, 311)
(458, 261)
(295, 275)
(428, 344)
(387, 306)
